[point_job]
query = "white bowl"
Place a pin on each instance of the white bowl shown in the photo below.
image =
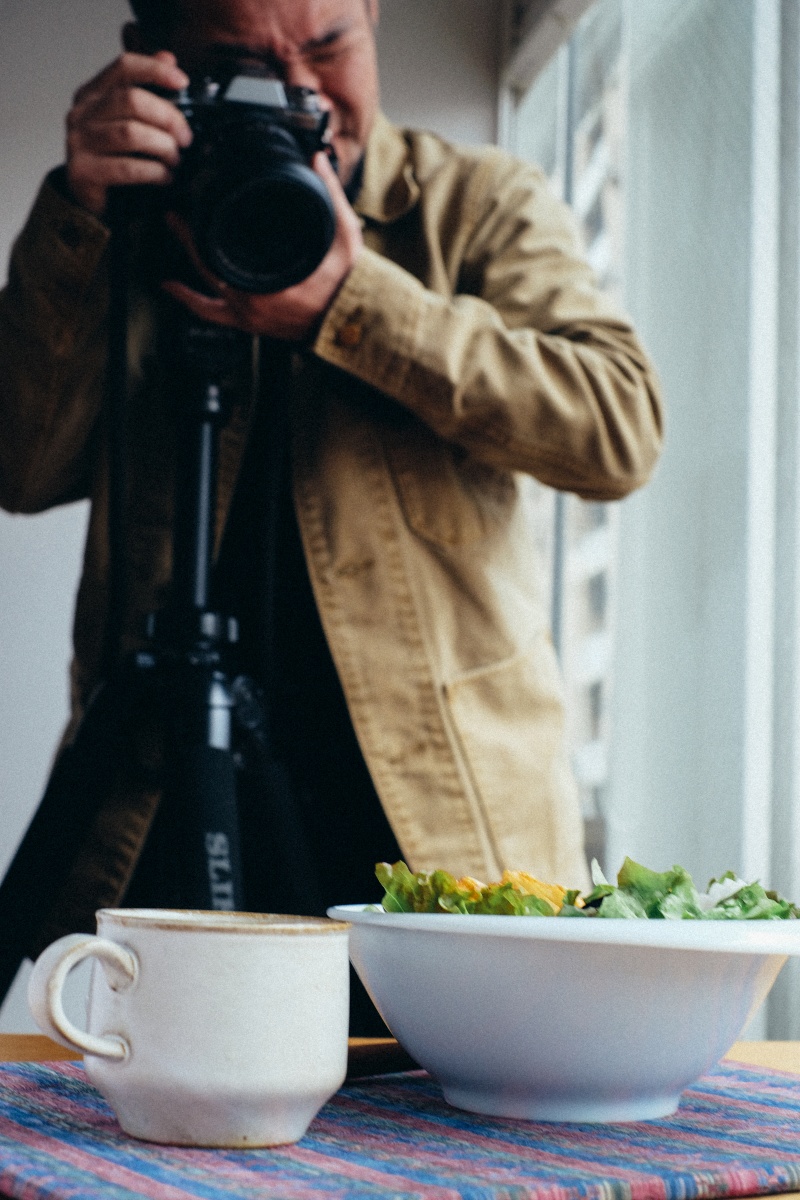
(565, 1019)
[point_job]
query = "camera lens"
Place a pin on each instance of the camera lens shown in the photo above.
(262, 219)
(272, 232)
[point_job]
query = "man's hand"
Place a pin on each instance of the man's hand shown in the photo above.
(119, 133)
(294, 314)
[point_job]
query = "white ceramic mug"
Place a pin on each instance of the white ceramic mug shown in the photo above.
(206, 1028)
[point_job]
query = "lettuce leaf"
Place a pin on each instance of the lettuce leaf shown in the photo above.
(639, 893)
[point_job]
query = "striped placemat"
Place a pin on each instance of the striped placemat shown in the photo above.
(736, 1133)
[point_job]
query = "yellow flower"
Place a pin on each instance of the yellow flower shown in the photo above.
(553, 893)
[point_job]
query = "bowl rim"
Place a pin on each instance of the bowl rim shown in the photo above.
(727, 937)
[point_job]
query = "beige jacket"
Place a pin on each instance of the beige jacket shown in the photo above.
(468, 346)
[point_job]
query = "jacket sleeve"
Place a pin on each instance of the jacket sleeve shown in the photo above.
(527, 366)
(53, 350)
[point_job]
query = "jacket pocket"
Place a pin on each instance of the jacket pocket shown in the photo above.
(447, 497)
(509, 721)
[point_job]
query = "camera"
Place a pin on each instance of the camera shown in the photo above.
(261, 218)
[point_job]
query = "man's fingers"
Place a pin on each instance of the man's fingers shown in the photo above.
(135, 70)
(90, 177)
(347, 222)
(119, 94)
(144, 70)
(131, 139)
(134, 104)
(324, 168)
(119, 132)
(215, 309)
(129, 104)
(165, 56)
(113, 154)
(249, 314)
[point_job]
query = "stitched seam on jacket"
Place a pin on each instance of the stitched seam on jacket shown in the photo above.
(401, 575)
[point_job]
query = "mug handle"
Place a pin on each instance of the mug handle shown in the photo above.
(46, 985)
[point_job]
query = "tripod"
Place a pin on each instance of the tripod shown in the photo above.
(183, 667)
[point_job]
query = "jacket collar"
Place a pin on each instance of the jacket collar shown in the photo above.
(389, 189)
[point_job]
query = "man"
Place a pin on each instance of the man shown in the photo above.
(451, 339)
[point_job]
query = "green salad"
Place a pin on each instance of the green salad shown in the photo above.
(638, 892)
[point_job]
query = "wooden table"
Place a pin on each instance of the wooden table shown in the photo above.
(29, 1047)
(372, 1055)
(368, 1056)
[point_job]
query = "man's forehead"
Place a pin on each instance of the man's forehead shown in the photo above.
(298, 21)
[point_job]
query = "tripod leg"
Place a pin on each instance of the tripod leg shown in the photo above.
(206, 823)
(196, 851)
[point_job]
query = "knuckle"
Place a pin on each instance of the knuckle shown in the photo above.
(76, 175)
(117, 138)
(129, 136)
(137, 102)
(129, 170)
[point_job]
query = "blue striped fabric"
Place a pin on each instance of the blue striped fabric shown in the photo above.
(736, 1133)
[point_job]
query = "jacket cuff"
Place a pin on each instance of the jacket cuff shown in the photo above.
(374, 341)
(61, 241)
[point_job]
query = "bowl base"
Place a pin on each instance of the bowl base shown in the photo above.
(549, 1108)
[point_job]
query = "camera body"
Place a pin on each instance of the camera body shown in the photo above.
(261, 218)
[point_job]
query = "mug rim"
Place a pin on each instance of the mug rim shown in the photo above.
(198, 920)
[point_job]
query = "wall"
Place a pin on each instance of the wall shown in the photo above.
(439, 70)
(44, 59)
(439, 65)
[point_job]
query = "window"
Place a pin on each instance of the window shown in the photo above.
(679, 146)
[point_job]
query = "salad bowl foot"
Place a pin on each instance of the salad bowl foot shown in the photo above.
(572, 1109)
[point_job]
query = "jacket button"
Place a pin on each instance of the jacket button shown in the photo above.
(350, 335)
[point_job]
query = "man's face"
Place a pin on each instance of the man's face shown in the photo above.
(327, 45)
